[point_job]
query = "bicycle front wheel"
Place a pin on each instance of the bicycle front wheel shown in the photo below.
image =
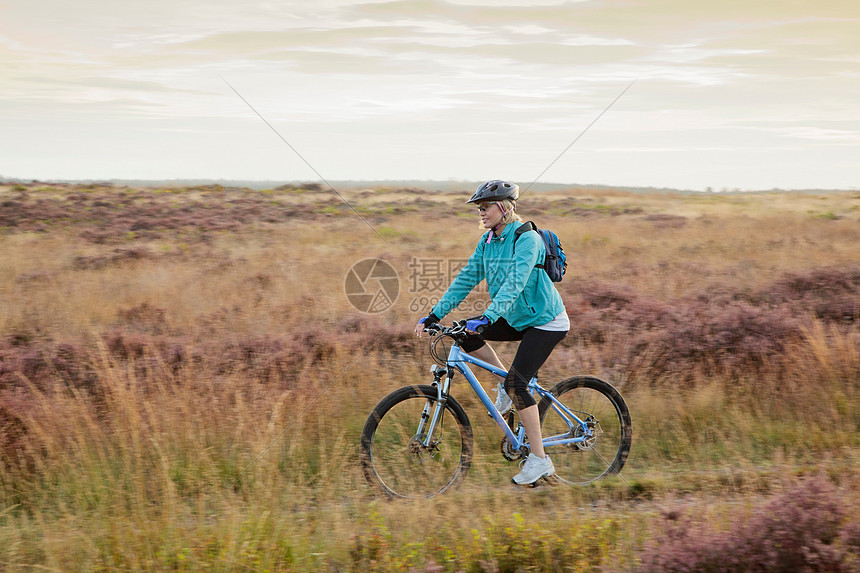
(608, 431)
(396, 456)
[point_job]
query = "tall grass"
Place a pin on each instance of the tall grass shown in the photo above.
(183, 381)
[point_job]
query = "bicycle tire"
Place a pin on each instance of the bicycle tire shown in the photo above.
(393, 461)
(606, 453)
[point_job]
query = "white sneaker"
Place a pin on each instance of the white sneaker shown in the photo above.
(534, 468)
(503, 401)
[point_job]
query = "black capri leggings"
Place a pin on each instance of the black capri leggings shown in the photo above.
(533, 351)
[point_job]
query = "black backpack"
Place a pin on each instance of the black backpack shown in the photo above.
(555, 263)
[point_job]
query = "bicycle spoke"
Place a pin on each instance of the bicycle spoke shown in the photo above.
(606, 431)
(405, 463)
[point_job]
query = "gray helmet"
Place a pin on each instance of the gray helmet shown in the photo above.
(495, 190)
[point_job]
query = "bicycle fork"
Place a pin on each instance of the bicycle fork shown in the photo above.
(431, 416)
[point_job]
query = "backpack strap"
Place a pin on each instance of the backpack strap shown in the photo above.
(524, 228)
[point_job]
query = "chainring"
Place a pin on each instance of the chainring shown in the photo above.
(507, 448)
(508, 451)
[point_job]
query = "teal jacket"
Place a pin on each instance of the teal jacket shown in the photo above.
(521, 294)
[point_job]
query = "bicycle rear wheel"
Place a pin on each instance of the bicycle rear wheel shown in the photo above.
(611, 432)
(393, 456)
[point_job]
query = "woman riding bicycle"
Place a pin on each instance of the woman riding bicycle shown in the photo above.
(525, 306)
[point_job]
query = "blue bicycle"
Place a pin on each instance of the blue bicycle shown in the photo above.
(418, 442)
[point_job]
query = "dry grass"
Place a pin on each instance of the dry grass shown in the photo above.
(156, 368)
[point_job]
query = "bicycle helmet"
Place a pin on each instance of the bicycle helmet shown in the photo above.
(495, 190)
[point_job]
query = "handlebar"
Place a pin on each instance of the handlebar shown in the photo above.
(457, 328)
(456, 331)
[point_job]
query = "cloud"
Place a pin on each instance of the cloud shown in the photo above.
(453, 75)
(823, 135)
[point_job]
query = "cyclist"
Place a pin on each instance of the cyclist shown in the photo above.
(525, 306)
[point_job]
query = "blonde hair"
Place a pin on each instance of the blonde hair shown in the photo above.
(509, 209)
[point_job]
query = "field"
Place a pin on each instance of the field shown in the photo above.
(183, 381)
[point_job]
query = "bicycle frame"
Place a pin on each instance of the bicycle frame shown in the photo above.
(459, 360)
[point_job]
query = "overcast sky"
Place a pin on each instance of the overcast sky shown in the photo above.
(729, 94)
